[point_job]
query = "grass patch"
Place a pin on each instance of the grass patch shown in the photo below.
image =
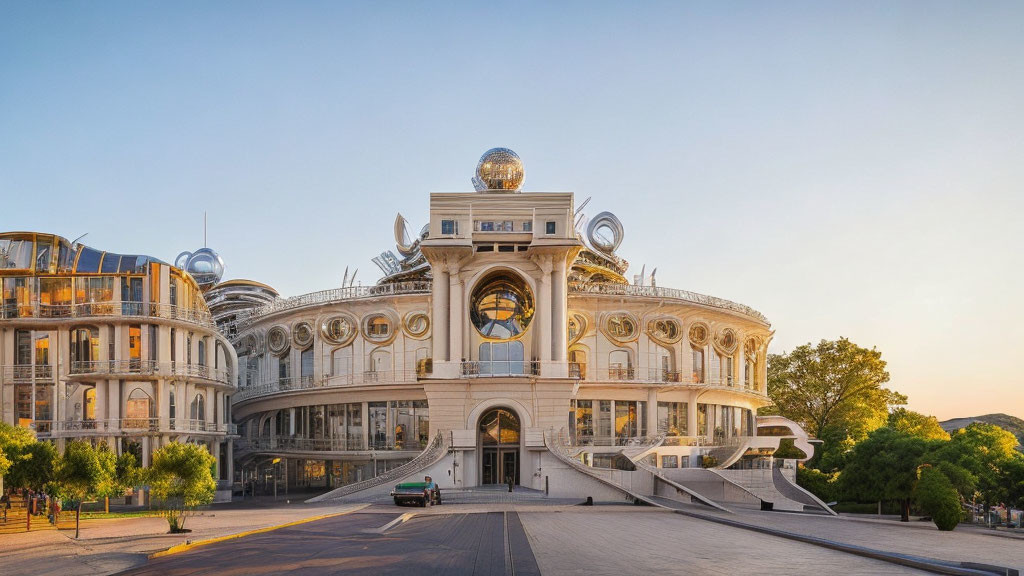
(110, 515)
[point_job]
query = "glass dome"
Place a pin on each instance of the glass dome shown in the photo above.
(499, 169)
(502, 306)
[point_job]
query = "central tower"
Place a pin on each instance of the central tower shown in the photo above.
(499, 259)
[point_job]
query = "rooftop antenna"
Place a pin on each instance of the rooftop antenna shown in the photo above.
(75, 241)
(204, 228)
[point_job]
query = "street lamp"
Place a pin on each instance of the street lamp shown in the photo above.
(275, 462)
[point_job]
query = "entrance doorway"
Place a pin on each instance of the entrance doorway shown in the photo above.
(499, 445)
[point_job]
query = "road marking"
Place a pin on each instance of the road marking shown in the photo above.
(190, 545)
(400, 520)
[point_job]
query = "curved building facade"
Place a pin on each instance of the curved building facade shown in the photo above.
(508, 320)
(110, 347)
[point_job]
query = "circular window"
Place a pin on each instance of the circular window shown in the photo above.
(665, 330)
(699, 334)
(727, 340)
(378, 328)
(278, 339)
(502, 306)
(302, 334)
(621, 327)
(338, 330)
(417, 324)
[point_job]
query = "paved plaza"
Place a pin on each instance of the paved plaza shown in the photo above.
(521, 535)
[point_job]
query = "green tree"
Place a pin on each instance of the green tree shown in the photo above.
(987, 453)
(821, 484)
(916, 424)
(83, 473)
(935, 495)
(31, 461)
(834, 390)
(884, 467)
(180, 480)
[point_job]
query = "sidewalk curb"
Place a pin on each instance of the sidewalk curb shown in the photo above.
(179, 548)
(926, 564)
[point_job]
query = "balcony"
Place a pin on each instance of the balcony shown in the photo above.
(371, 377)
(11, 311)
(500, 369)
(136, 367)
(28, 373)
(127, 426)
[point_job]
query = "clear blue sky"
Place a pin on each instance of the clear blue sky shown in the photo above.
(848, 169)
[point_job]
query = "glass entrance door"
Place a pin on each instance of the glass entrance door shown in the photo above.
(500, 464)
(499, 447)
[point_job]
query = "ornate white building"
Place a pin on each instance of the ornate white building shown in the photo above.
(115, 348)
(503, 341)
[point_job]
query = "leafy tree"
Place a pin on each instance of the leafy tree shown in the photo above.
(821, 484)
(180, 480)
(83, 473)
(31, 461)
(834, 390)
(917, 424)
(986, 453)
(884, 467)
(935, 495)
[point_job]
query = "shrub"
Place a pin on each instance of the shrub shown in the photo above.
(818, 483)
(936, 497)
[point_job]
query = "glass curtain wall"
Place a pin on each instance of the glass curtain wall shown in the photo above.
(672, 418)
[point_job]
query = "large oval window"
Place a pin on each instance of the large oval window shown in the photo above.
(502, 306)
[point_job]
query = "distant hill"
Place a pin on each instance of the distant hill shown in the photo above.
(1004, 421)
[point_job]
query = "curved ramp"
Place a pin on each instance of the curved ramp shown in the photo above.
(555, 444)
(430, 456)
(798, 493)
(693, 494)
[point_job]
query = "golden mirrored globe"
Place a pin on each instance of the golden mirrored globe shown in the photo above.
(499, 169)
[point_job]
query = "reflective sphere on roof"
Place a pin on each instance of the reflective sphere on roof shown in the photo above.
(205, 265)
(499, 169)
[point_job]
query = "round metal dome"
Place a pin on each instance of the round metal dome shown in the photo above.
(205, 265)
(499, 169)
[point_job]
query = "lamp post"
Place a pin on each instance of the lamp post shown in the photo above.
(275, 462)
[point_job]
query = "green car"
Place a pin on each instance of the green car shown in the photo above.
(421, 493)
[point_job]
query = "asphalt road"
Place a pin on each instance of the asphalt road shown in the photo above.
(458, 544)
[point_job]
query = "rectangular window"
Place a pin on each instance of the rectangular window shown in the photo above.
(507, 226)
(487, 226)
(549, 227)
(698, 366)
(506, 248)
(449, 227)
(485, 248)
(528, 226)
(135, 347)
(727, 370)
(669, 461)
(584, 421)
(672, 418)
(153, 345)
(702, 419)
(306, 363)
(23, 347)
(604, 421)
(284, 367)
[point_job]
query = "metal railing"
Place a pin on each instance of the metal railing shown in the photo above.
(338, 295)
(25, 372)
(660, 292)
(67, 428)
(499, 368)
(310, 383)
(36, 309)
(435, 451)
(151, 368)
(600, 440)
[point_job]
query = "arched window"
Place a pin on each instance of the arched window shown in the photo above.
(578, 363)
(198, 408)
(698, 365)
(379, 363)
(620, 366)
(138, 409)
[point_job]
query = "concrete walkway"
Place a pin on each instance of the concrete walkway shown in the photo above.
(108, 546)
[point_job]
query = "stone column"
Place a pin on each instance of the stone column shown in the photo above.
(439, 331)
(544, 311)
(691, 414)
(652, 412)
(231, 461)
(560, 307)
(455, 313)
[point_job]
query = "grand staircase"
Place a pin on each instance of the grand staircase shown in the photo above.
(431, 454)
